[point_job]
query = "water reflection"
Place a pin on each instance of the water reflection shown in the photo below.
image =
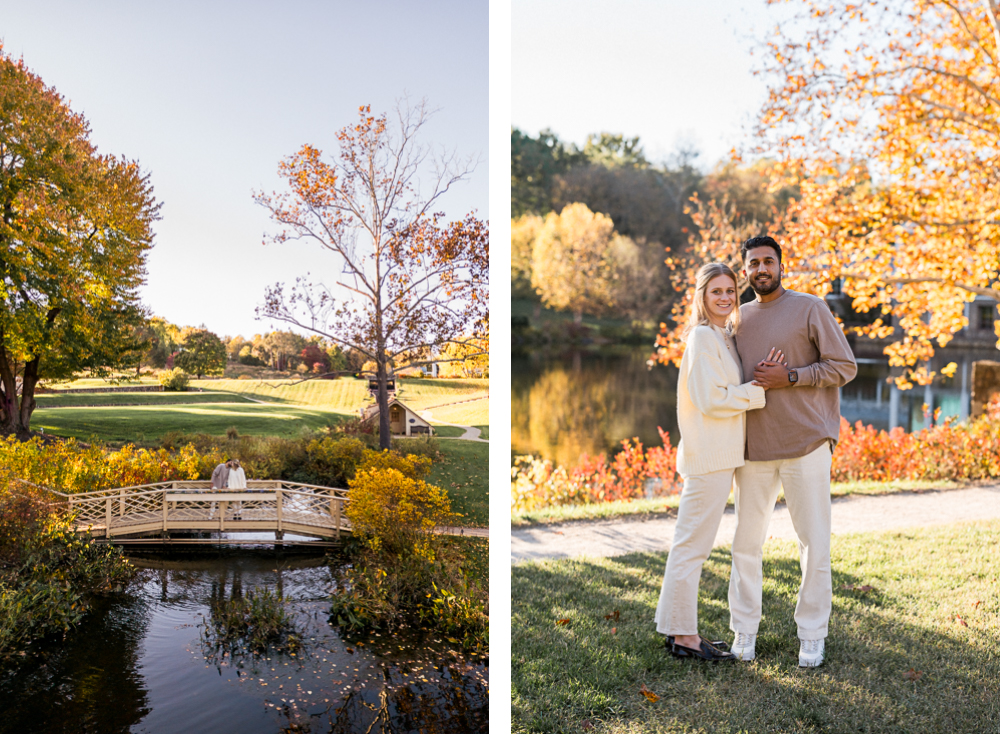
(140, 665)
(566, 404)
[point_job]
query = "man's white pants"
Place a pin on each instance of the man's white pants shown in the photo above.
(702, 503)
(806, 481)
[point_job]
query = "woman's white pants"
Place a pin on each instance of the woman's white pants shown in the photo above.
(703, 501)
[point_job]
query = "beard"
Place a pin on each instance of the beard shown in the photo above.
(770, 285)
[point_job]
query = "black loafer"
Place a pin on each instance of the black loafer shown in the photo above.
(717, 644)
(706, 651)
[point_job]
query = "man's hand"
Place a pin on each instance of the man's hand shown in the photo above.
(770, 375)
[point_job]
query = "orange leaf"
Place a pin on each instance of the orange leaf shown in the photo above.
(614, 630)
(562, 621)
(961, 621)
(648, 694)
(912, 674)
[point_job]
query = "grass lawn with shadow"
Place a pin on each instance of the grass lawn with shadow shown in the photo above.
(463, 472)
(915, 652)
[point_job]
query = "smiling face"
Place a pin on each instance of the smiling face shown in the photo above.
(720, 299)
(763, 270)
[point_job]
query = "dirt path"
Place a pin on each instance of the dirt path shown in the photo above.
(851, 514)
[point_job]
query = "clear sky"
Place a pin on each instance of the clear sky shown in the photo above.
(670, 71)
(209, 96)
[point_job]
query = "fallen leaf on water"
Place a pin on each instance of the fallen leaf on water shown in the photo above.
(648, 694)
(562, 621)
(912, 674)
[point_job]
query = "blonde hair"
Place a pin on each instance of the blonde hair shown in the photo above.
(699, 311)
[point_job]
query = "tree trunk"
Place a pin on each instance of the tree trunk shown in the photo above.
(578, 317)
(384, 431)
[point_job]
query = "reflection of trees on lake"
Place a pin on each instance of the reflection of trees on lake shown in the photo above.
(587, 402)
(92, 683)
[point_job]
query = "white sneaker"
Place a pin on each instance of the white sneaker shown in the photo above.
(744, 646)
(811, 653)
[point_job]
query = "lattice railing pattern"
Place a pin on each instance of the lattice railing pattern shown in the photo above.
(193, 503)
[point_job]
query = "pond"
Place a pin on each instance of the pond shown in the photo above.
(141, 664)
(570, 402)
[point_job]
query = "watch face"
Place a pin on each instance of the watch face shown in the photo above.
(793, 376)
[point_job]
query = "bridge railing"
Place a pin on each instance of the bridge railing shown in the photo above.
(178, 504)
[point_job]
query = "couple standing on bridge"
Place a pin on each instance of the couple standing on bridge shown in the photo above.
(229, 475)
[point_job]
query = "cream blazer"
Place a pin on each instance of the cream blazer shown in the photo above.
(712, 404)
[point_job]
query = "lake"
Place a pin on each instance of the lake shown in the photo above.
(140, 664)
(568, 402)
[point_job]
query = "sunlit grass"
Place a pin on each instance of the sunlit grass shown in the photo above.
(916, 652)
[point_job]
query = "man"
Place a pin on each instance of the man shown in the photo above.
(789, 445)
(220, 480)
(220, 477)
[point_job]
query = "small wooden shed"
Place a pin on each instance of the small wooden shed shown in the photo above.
(403, 421)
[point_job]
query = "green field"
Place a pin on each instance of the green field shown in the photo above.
(53, 400)
(147, 424)
(289, 406)
(912, 644)
(464, 474)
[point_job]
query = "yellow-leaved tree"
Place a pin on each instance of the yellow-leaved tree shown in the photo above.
(886, 118)
(578, 260)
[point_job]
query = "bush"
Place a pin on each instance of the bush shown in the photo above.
(393, 512)
(175, 379)
(49, 576)
(536, 483)
(450, 594)
(333, 461)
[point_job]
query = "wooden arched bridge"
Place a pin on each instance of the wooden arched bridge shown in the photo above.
(124, 513)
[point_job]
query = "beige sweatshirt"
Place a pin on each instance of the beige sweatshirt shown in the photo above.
(711, 404)
(797, 419)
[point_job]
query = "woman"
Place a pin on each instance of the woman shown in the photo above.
(711, 404)
(237, 480)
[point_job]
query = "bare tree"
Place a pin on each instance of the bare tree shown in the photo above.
(405, 283)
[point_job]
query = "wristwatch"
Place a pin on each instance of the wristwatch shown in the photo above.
(793, 376)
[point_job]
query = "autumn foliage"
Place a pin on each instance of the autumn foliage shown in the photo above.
(884, 117)
(536, 483)
(948, 450)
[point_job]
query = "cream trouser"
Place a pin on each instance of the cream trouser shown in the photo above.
(806, 481)
(702, 503)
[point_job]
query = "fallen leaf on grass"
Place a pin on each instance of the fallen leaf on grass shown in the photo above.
(961, 621)
(614, 615)
(586, 725)
(912, 674)
(648, 694)
(856, 587)
(562, 621)
(614, 630)
(976, 605)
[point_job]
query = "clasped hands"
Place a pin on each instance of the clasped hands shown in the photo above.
(772, 371)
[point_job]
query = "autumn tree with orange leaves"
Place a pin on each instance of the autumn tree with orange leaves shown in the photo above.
(886, 118)
(402, 283)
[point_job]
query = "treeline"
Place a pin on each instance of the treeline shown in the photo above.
(594, 227)
(198, 351)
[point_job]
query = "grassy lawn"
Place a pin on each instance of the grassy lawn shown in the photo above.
(53, 400)
(464, 474)
(917, 652)
(146, 424)
(622, 508)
